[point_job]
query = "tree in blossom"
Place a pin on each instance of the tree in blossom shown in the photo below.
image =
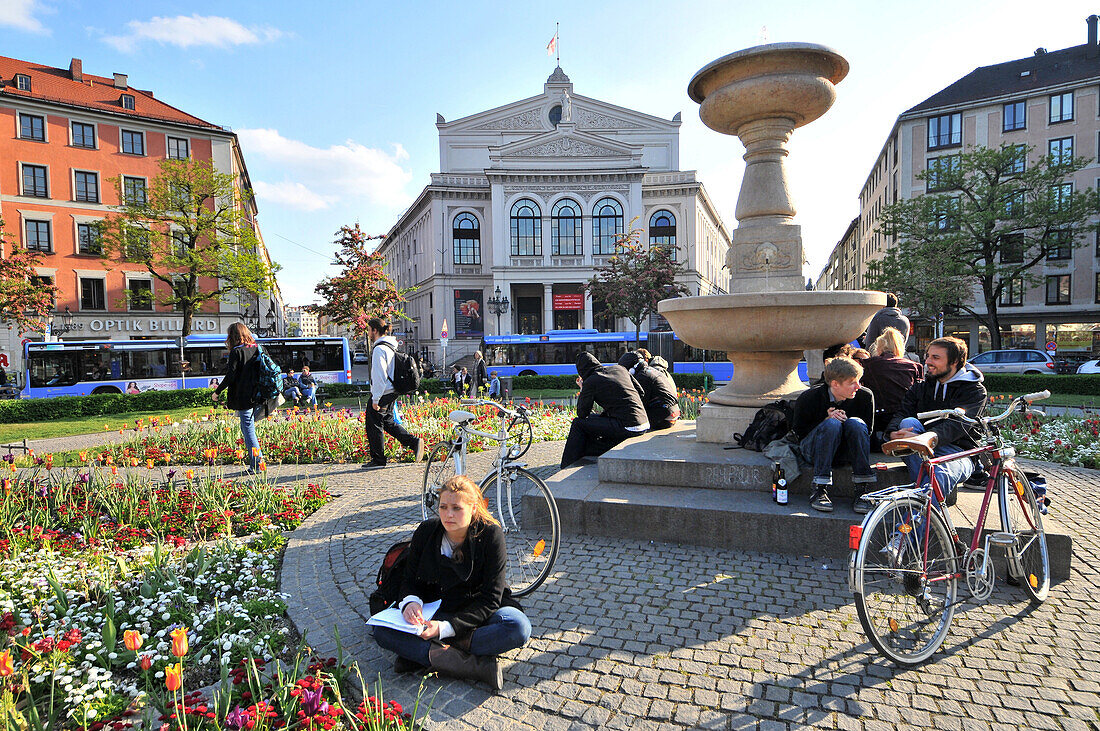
(362, 289)
(635, 279)
(25, 299)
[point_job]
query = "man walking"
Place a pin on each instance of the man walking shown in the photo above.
(619, 395)
(379, 412)
(949, 383)
(480, 376)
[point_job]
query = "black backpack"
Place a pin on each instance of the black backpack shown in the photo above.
(390, 575)
(771, 422)
(406, 373)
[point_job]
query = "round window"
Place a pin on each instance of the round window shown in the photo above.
(555, 114)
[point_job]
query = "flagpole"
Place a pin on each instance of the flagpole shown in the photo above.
(557, 46)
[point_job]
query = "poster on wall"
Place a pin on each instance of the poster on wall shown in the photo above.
(468, 313)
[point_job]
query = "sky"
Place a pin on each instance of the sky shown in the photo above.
(335, 102)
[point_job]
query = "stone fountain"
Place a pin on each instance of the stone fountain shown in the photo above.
(761, 95)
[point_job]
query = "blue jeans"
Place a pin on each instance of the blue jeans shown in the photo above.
(822, 446)
(507, 629)
(310, 393)
(248, 432)
(949, 474)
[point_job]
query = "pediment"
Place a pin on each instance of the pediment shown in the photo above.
(565, 142)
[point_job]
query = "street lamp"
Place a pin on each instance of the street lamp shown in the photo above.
(498, 305)
(66, 327)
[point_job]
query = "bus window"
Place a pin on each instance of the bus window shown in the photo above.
(207, 361)
(53, 369)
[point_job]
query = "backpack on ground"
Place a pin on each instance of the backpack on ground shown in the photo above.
(771, 422)
(390, 574)
(406, 374)
(266, 377)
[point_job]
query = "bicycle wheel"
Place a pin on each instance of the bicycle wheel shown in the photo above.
(1028, 558)
(528, 516)
(905, 580)
(439, 469)
(520, 435)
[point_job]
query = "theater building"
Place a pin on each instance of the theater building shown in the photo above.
(69, 134)
(529, 198)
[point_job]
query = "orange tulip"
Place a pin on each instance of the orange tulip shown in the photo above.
(83, 456)
(263, 466)
(189, 474)
(179, 641)
(173, 677)
(255, 451)
(146, 662)
(6, 667)
(149, 463)
(114, 470)
(132, 639)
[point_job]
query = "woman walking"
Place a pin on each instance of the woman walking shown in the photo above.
(458, 558)
(240, 381)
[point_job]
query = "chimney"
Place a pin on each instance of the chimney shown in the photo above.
(1091, 51)
(77, 72)
(120, 81)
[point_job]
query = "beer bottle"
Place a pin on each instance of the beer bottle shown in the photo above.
(777, 470)
(781, 487)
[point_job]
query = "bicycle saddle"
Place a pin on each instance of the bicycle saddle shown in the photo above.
(921, 444)
(459, 416)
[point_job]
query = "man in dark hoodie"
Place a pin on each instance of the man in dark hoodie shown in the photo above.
(888, 316)
(662, 408)
(949, 383)
(621, 398)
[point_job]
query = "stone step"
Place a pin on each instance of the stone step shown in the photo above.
(742, 519)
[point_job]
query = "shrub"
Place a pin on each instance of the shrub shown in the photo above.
(67, 407)
(1019, 383)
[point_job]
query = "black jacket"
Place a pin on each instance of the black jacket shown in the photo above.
(657, 385)
(471, 590)
(240, 378)
(812, 407)
(307, 379)
(480, 375)
(965, 389)
(889, 379)
(884, 318)
(616, 391)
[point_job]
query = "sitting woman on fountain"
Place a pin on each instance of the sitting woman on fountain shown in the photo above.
(458, 558)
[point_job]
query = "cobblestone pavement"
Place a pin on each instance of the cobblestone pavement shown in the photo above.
(656, 635)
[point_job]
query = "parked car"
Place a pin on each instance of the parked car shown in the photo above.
(1089, 366)
(1022, 360)
(360, 357)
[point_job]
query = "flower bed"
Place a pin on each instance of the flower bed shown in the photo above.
(1066, 439)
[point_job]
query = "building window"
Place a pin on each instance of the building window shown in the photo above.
(84, 135)
(947, 215)
(1014, 204)
(32, 127)
(1012, 294)
(1060, 246)
(945, 131)
(1061, 107)
(662, 231)
(940, 172)
(133, 191)
(1061, 151)
(179, 148)
(1061, 195)
(87, 239)
(137, 245)
(38, 236)
(34, 181)
(127, 101)
(87, 186)
(43, 281)
(93, 294)
(1015, 116)
(179, 293)
(555, 114)
(22, 82)
(1058, 289)
(566, 232)
(140, 294)
(607, 226)
(133, 143)
(1012, 249)
(466, 236)
(1019, 162)
(179, 244)
(526, 228)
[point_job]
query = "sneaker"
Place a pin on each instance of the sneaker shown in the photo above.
(820, 500)
(374, 466)
(418, 451)
(951, 498)
(862, 505)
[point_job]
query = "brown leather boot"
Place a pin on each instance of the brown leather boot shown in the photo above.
(450, 660)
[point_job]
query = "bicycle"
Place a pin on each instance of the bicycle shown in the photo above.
(907, 557)
(516, 497)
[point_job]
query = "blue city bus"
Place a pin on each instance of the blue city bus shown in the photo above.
(82, 367)
(555, 353)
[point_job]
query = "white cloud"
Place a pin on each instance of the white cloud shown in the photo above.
(20, 14)
(192, 30)
(345, 173)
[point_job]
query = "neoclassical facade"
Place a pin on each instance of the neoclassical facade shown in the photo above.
(530, 197)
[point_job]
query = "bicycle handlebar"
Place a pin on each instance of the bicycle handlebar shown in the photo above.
(960, 414)
(494, 404)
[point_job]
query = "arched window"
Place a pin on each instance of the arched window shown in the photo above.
(662, 231)
(466, 236)
(607, 225)
(526, 228)
(565, 229)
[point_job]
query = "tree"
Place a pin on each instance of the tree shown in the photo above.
(362, 289)
(635, 279)
(191, 230)
(25, 299)
(293, 329)
(991, 217)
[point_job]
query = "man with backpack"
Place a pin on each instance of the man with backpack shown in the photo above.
(384, 375)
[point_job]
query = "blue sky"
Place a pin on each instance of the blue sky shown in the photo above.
(335, 102)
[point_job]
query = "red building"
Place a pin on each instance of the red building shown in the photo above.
(70, 134)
